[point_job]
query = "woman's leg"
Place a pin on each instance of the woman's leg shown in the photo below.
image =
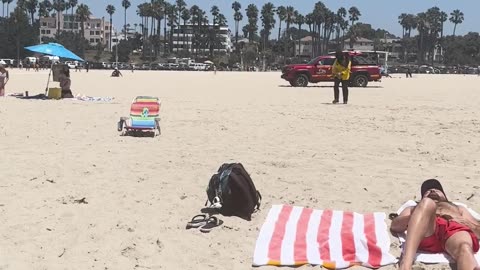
(345, 91)
(336, 91)
(2, 90)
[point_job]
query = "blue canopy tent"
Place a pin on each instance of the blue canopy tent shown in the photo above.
(54, 49)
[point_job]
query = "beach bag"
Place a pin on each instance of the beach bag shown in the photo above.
(232, 192)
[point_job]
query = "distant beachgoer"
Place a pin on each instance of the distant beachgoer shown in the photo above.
(3, 80)
(65, 83)
(116, 73)
(87, 66)
(409, 72)
(341, 72)
(214, 69)
(132, 67)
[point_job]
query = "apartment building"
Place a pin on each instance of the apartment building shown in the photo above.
(183, 37)
(97, 30)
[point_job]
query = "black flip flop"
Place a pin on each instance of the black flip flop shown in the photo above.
(198, 221)
(212, 222)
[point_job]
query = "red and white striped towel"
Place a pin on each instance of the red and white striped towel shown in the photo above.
(294, 236)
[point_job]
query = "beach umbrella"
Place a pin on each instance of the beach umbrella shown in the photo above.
(208, 62)
(54, 49)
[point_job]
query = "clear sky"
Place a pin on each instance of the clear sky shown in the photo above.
(379, 13)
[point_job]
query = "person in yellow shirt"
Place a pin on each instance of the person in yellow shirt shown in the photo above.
(341, 72)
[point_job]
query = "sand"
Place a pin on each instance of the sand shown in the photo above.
(370, 155)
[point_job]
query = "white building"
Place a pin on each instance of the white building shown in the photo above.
(97, 30)
(360, 44)
(183, 37)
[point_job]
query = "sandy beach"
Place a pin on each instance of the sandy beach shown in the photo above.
(139, 193)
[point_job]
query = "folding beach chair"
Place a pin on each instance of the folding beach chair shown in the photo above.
(143, 116)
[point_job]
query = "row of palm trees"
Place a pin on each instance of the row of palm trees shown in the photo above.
(323, 24)
(430, 28)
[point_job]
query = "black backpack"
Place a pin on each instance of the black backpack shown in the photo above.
(232, 192)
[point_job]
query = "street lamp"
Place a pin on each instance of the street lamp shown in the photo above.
(241, 60)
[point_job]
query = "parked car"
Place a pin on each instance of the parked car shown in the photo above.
(319, 69)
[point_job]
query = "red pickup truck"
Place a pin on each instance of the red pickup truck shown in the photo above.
(320, 70)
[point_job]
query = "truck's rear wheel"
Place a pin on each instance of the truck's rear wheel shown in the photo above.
(300, 81)
(360, 81)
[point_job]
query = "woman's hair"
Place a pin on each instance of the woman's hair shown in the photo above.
(339, 55)
(66, 71)
(346, 59)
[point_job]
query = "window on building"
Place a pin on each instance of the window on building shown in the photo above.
(97, 40)
(106, 27)
(92, 33)
(48, 32)
(44, 23)
(92, 40)
(97, 33)
(42, 31)
(98, 25)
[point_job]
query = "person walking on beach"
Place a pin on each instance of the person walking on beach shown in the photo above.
(3, 80)
(341, 72)
(409, 72)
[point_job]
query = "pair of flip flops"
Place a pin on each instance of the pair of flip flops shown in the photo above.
(206, 223)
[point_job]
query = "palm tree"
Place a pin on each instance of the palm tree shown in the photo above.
(3, 7)
(289, 19)
(185, 17)
(58, 6)
(252, 15)
(31, 6)
(456, 18)
(443, 19)
(402, 21)
(281, 12)
(125, 4)
(215, 11)
(354, 14)
(171, 14)
(110, 10)
(268, 21)
(237, 17)
(194, 19)
(181, 5)
(83, 14)
(299, 20)
(72, 4)
(8, 3)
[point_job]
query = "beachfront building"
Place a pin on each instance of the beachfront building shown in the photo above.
(97, 30)
(360, 44)
(183, 38)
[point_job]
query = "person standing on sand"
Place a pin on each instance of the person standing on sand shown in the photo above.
(3, 80)
(341, 72)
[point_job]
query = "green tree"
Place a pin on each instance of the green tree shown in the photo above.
(237, 17)
(58, 6)
(125, 4)
(282, 14)
(83, 14)
(268, 22)
(252, 15)
(181, 6)
(354, 14)
(31, 6)
(214, 11)
(110, 10)
(299, 20)
(456, 18)
(185, 17)
(72, 4)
